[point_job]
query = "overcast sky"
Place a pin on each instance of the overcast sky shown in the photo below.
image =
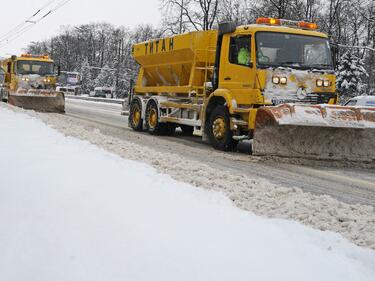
(118, 12)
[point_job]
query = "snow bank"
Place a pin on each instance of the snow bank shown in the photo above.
(72, 211)
(354, 222)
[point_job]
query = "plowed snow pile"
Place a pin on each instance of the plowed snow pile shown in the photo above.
(355, 222)
(72, 211)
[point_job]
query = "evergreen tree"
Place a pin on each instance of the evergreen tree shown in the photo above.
(351, 75)
(106, 78)
(86, 78)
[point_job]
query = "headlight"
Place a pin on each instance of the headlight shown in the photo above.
(323, 83)
(275, 80)
(279, 80)
(283, 80)
(25, 79)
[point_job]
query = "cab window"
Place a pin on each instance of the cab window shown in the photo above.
(240, 50)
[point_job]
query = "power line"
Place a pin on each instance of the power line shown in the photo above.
(28, 20)
(31, 24)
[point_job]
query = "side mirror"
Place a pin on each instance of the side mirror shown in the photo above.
(227, 27)
(9, 67)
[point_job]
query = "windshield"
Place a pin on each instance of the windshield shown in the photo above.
(293, 50)
(35, 67)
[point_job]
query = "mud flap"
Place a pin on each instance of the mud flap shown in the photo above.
(316, 132)
(43, 101)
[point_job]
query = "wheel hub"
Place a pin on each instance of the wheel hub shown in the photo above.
(136, 116)
(219, 128)
(153, 119)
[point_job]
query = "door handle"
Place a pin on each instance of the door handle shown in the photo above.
(227, 78)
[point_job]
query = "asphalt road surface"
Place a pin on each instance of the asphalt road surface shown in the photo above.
(348, 184)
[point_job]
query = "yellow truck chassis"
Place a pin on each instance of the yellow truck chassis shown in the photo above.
(190, 81)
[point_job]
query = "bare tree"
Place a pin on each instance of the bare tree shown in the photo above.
(189, 14)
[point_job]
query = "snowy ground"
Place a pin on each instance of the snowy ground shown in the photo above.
(72, 211)
(355, 222)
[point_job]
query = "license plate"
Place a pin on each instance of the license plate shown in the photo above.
(281, 101)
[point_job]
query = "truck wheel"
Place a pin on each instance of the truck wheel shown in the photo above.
(187, 130)
(135, 115)
(152, 124)
(219, 132)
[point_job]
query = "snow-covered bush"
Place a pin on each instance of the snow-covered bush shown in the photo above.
(351, 75)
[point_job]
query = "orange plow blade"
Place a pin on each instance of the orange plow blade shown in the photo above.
(39, 100)
(316, 131)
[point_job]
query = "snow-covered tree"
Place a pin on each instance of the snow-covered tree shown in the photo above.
(106, 77)
(351, 75)
(86, 78)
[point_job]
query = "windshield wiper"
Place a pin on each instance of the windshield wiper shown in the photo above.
(320, 65)
(290, 64)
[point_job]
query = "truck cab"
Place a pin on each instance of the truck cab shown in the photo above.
(271, 63)
(29, 72)
(70, 83)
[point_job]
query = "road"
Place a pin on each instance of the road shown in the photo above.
(350, 185)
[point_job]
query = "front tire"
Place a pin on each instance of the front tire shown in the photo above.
(219, 132)
(135, 115)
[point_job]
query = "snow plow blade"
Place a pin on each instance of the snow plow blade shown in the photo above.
(39, 100)
(323, 132)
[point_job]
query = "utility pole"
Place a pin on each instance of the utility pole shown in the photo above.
(119, 61)
(181, 15)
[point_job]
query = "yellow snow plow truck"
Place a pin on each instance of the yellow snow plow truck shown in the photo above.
(272, 82)
(30, 83)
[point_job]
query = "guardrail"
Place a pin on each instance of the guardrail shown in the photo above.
(95, 99)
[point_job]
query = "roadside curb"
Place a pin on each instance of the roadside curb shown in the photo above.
(115, 101)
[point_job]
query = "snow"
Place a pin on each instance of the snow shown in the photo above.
(72, 211)
(328, 116)
(356, 222)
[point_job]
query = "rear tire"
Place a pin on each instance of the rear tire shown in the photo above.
(135, 115)
(219, 132)
(152, 124)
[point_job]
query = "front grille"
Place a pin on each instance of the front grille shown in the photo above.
(317, 98)
(313, 98)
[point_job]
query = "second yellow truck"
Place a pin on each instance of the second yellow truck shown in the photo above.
(30, 83)
(272, 82)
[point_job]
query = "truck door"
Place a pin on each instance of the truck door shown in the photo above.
(237, 72)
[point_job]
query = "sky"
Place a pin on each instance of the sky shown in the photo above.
(118, 12)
